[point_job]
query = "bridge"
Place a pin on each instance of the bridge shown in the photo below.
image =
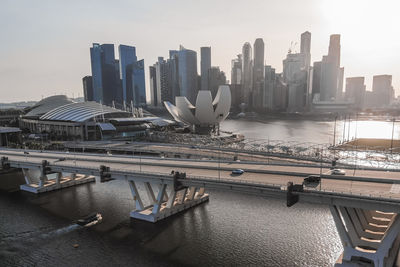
(365, 206)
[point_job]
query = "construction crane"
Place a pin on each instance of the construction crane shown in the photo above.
(292, 47)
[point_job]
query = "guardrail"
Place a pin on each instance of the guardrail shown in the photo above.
(73, 167)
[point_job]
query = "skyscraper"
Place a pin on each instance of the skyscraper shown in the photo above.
(269, 87)
(295, 76)
(132, 76)
(305, 47)
(280, 95)
(87, 88)
(236, 82)
(339, 93)
(205, 63)
(104, 73)
(174, 73)
(258, 73)
(331, 75)
(334, 49)
(161, 82)
(127, 57)
(117, 82)
(316, 80)
(247, 73)
(383, 90)
(258, 59)
(355, 91)
(216, 78)
(187, 73)
(236, 70)
(138, 84)
(154, 91)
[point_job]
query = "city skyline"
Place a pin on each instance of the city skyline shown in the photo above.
(56, 37)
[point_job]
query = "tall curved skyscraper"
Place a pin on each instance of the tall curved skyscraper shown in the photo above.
(247, 72)
(258, 73)
(187, 72)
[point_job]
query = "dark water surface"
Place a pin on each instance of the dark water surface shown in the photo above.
(231, 229)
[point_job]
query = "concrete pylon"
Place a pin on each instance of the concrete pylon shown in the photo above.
(367, 236)
(163, 198)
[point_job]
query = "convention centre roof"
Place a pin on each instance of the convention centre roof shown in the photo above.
(83, 111)
(47, 104)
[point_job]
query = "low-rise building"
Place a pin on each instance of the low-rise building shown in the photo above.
(83, 121)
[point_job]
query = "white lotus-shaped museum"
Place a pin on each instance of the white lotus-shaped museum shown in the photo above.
(206, 113)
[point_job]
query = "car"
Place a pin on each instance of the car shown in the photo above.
(338, 172)
(238, 171)
(312, 180)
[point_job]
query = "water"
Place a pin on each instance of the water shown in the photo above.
(321, 132)
(231, 229)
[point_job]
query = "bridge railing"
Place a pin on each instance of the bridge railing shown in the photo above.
(352, 190)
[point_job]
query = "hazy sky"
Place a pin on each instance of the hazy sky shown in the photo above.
(45, 44)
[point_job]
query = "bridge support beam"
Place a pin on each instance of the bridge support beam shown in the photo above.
(38, 182)
(159, 200)
(368, 237)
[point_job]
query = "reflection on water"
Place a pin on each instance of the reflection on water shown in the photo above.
(231, 230)
(321, 132)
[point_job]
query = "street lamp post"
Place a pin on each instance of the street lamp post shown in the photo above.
(219, 160)
(320, 170)
(334, 133)
(344, 129)
(391, 143)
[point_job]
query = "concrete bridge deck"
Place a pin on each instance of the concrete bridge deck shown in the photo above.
(369, 184)
(365, 207)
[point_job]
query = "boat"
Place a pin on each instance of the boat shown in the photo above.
(90, 219)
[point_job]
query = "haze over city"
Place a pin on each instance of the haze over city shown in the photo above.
(45, 46)
(200, 133)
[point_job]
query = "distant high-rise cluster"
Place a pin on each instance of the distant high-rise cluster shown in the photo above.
(255, 85)
(302, 87)
(178, 76)
(114, 82)
(330, 84)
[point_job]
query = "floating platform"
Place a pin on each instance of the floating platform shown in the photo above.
(371, 144)
(147, 215)
(52, 184)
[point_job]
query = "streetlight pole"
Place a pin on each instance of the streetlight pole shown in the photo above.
(334, 133)
(320, 170)
(219, 160)
(348, 130)
(391, 143)
(344, 129)
(140, 161)
(268, 150)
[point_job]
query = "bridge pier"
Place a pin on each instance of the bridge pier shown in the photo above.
(163, 198)
(368, 236)
(44, 180)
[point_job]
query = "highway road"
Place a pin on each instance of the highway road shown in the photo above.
(175, 149)
(268, 174)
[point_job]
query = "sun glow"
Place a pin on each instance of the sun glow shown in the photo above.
(369, 32)
(362, 15)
